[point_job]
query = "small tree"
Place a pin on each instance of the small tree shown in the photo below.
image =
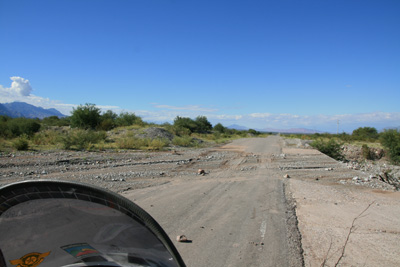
(365, 133)
(20, 126)
(253, 132)
(108, 120)
(184, 125)
(127, 119)
(390, 140)
(85, 117)
(202, 125)
(219, 128)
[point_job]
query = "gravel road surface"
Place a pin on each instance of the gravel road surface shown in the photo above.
(235, 215)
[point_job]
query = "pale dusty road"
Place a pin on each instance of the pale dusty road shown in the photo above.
(235, 215)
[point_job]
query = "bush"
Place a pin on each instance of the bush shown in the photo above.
(21, 143)
(46, 137)
(186, 126)
(202, 125)
(185, 141)
(366, 152)
(82, 139)
(85, 117)
(21, 126)
(182, 124)
(131, 142)
(106, 125)
(219, 128)
(56, 121)
(390, 140)
(128, 119)
(254, 132)
(330, 148)
(157, 144)
(365, 134)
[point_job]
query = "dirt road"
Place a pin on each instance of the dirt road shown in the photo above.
(235, 215)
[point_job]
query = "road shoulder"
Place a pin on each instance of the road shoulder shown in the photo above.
(329, 213)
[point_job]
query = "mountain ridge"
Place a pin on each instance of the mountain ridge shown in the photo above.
(22, 109)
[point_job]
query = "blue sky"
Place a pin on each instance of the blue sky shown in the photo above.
(261, 64)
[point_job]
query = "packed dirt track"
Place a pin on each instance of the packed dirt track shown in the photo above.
(259, 202)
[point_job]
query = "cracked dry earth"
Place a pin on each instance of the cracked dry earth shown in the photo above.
(242, 212)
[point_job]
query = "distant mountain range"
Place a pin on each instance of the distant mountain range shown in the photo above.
(272, 130)
(21, 109)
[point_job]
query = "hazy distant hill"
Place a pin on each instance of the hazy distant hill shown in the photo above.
(237, 127)
(293, 130)
(21, 109)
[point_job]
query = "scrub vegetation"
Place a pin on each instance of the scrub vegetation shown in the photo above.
(89, 129)
(364, 137)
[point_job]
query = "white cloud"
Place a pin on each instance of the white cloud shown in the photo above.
(260, 115)
(20, 91)
(347, 122)
(20, 86)
(185, 108)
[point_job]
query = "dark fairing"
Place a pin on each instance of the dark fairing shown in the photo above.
(54, 223)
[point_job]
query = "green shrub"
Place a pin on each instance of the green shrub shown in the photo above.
(128, 119)
(390, 140)
(4, 129)
(219, 128)
(186, 126)
(181, 131)
(85, 117)
(366, 152)
(21, 143)
(56, 121)
(330, 148)
(46, 137)
(202, 125)
(131, 142)
(253, 132)
(21, 126)
(157, 144)
(82, 139)
(365, 134)
(185, 141)
(106, 125)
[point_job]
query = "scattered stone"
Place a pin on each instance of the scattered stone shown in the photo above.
(181, 238)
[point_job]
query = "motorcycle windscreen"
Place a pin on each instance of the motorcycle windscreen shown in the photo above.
(48, 223)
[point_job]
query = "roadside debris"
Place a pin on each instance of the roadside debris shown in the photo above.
(181, 238)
